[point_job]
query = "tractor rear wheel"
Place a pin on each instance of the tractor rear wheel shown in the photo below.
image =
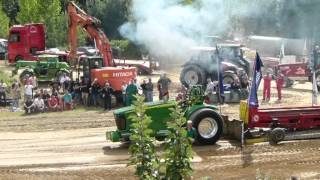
(209, 126)
(192, 75)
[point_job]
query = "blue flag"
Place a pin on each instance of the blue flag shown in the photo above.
(220, 74)
(256, 79)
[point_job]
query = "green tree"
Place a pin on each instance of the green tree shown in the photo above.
(178, 149)
(11, 7)
(28, 12)
(50, 13)
(4, 24)
(142, 149)
(112, 13)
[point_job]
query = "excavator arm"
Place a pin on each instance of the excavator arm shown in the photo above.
(90, 24)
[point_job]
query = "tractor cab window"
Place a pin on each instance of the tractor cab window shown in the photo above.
(95, 63)
(84, 66)
(14, 37)
(237, 52)
(227, 53)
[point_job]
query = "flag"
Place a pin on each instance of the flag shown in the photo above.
(314, 89)
(220, 74)
(256, 79)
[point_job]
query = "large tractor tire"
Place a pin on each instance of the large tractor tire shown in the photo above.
(209, 126)
(192, 75)
(229, 77)
(24, 75)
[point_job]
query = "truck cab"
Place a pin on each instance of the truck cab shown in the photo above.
(24, 41)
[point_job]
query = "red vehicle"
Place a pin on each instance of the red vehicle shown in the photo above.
(300, 71)
(276, 122)
(28, 41)
(25, 41)
(101, 68)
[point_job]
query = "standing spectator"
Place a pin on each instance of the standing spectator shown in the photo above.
(131, 91)
(34, 81)
(75, 91)
(67, 100)
(210, 89)
(53, 103)
(95, 87)
(149, 90)
(244, 80)
(55, 86)
(28, 91)
(144, 89)
(219, 96)
(38, 104)
(84, 89)
(16, 95)
(124, 93)
(29, 106)
(138, 86)
(3, 88)
(163, 87)
(107, 94)
(27, 80)
(45, 97)
(266, 86)
(279, 83)
(64, 82)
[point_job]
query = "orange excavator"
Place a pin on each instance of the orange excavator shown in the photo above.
(101, 67)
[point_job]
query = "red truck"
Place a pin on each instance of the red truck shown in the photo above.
(25, 41)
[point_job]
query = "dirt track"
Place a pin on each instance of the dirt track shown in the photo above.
(72, 145)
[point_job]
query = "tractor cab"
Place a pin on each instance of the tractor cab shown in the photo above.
(87, 63)
(234, 53)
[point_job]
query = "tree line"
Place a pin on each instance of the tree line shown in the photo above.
(286, 18)
(53, 14)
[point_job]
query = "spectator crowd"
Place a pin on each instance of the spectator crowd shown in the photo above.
(65, 93)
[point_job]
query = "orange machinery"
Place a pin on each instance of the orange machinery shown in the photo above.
(114, 74)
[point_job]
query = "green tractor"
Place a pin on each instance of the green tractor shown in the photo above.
(48, 68)
(207, 122)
